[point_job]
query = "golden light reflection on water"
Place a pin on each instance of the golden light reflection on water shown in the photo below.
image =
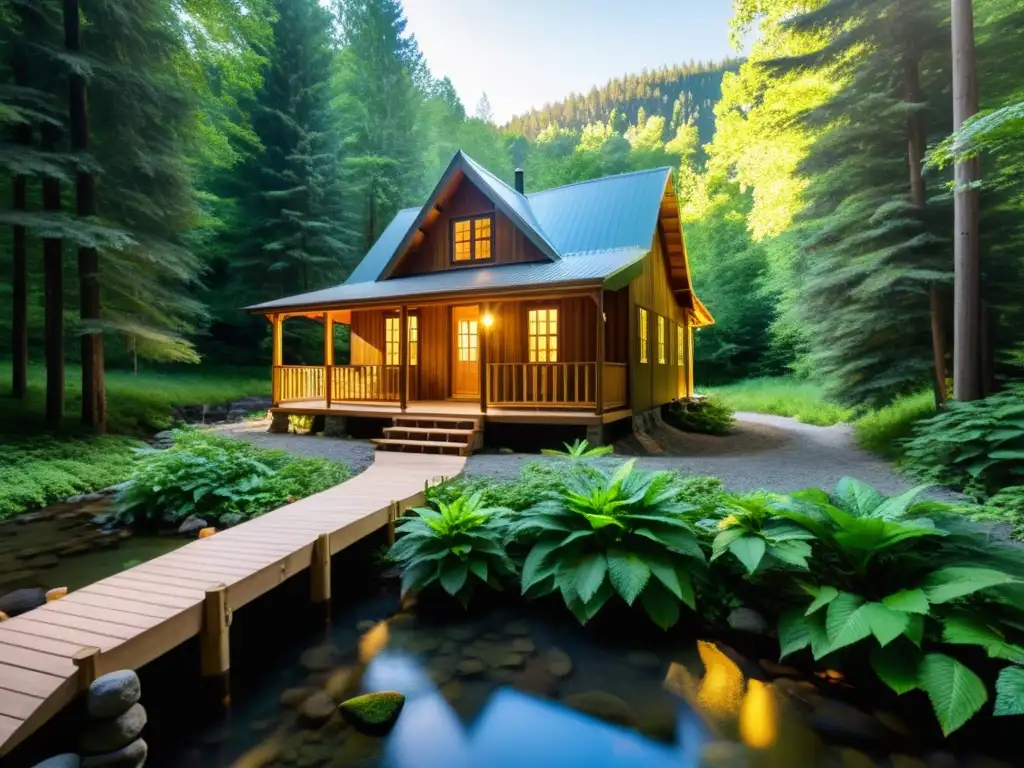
(759, 716)
(721, 689)
(373, 642)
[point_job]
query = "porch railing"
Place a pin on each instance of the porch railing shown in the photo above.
(365, 382)
(616, 388)
(298, 382)
(559, 384)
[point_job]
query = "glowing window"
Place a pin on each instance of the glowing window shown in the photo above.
(680, 345)
(391, 340)
(467, 341)
(662, 343)
(543, 335)
(643, 335)
(471, 239)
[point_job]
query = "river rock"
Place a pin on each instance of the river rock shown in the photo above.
(67, 760)
(132, 756)
(602, 705)
(460, 634)
(113, 694)
(373, 713)
(103, 736)
(558, 662)
(318, 708)
(643, 660)
(748, 620)
(522, 645)
(321, 658)
(293, 697)
(519, 627)
(468, 667)
(192, 525)
(341, 682)
(21, 600)
(842, 719)
(778, 670)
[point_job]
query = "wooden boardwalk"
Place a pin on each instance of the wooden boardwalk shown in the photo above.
(142, 613)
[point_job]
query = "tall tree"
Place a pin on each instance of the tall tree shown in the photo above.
(483, 109)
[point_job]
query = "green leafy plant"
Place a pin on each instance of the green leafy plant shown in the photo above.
(607, 533)
(900, 580)
(212, 477)
(455, 546)
(752, 532)
(885, 430)
(977, 446)
(580, 449)
(1007, 506)
(706, 415)
(704, 493)
(536, 478)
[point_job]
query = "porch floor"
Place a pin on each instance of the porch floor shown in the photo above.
(449, 408)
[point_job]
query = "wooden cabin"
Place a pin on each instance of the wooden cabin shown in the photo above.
(573, 305)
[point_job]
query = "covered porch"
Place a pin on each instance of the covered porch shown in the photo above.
(516, 359)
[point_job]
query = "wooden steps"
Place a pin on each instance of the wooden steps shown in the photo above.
(453, 435)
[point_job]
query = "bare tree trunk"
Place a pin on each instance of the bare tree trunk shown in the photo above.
(94, 397)
(53, 292)
(915, 157)
(19, 249)
(967, 282)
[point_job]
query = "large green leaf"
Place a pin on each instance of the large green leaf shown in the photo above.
(961, 630)
(897, 506)
(721, 543)
(478, 567)
(955, 691)
(908, 600)
(749, 550)
(947, 584)
(677, 539)
(792, 553)
(628, 572)
(1010, 692)
(686, 589)
(896, 666)
(418, 575)
(915, 629)
(857, 498)
(886, 624)
(452, 574)
(536, 567)
(589, 573)
(822, 597)
(845, 623)
(661, 605)
(794, 632)
(664, 570)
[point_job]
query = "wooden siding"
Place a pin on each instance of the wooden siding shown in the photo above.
(367, 337)
(653, 383)
(434, 346)
(577, 315)
(433, 253)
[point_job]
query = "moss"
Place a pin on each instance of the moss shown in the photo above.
(373, 713)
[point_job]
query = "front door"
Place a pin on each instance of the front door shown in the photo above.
(465, 352)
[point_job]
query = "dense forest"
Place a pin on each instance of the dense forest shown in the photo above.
(235, 154)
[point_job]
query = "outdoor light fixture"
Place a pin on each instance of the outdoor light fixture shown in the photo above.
(487, 320)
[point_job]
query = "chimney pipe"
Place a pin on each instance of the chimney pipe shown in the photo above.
(519, 180)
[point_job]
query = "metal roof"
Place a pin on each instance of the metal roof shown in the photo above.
(591, 230)
(591, 268)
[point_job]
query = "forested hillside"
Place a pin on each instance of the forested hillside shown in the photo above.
(680, 94)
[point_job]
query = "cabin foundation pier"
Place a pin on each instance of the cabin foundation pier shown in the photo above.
(278, 423)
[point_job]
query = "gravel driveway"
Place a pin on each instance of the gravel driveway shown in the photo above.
(763, 452)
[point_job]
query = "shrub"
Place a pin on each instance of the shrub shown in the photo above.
(1008, 506)
(704, 493)
(897, 581)
(213, 476)
(977, 446)
(705, 415)
(603, 534)
(454, 546)
(580, 449)
(884, 431)
(535, 479)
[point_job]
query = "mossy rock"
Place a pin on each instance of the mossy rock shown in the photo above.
(373, 713)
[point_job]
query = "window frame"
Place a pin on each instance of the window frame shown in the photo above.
(680, 345)
(473, 259)
(662, 340)
(557, 334)
(392, 346)
(643, 333)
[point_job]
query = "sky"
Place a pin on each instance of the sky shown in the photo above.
(525, 53)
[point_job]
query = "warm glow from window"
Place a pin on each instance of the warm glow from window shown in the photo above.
(662, 343)
(471, 239)
(543, 335)
(391, 340)
(467, 339)
(643, 335)
(680, 345)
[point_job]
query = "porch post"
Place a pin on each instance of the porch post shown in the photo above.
(482, 332)
(328, 355)
(277, 323)
(689, 359)
(599, 374)
(403, 357)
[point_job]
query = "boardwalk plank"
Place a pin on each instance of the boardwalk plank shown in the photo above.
(95, 613)
(28, 681)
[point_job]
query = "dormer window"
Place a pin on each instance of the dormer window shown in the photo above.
(472, 238)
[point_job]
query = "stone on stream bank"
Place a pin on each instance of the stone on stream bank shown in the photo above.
(192, 525)
(113, 694)
(22, 600)
(373, 713)
(132, 756)
(114, 734)
(67, 760)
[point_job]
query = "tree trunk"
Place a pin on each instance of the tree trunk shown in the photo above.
(53, 292)
(94, 397)
(967, 275)
(19, 249)
(915, 157)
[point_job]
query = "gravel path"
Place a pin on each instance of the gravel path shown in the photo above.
(763, 452)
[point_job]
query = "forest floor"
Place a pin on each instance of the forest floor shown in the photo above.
(769, 452)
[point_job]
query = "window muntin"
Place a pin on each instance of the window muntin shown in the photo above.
(543, 335)
(467, 341)
(472, 238)
(391, 340)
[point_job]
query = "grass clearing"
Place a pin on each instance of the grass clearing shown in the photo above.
(883, 430)
(782, 396)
